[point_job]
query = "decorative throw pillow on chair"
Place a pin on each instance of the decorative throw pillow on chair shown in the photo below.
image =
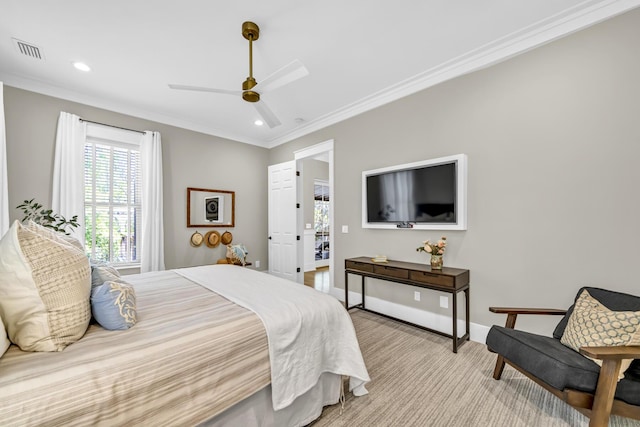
(237, 254)
(592, 324)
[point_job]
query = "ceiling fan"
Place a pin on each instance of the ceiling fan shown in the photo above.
(251, 89)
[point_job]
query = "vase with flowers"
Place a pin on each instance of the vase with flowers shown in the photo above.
(436, 250)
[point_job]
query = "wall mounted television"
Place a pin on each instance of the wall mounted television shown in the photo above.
(425, 195)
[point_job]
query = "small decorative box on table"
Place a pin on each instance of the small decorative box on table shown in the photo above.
(449, 280)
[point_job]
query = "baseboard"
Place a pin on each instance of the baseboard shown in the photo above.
(439, 322)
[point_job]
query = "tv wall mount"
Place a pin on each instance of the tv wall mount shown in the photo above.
(405, 224)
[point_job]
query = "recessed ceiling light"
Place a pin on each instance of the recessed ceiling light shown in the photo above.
(258, 122)
(81, 66)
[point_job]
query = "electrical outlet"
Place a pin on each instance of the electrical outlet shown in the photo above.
(444, 302)
(416, 295)
(257, 264)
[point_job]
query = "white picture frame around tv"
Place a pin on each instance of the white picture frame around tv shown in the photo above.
(425, 195)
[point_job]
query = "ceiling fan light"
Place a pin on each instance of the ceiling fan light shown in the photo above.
(250, 96)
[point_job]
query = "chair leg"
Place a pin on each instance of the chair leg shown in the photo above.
(605, 391)
(510, 324)
(497, 371)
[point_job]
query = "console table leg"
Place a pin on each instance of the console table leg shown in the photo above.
(363, 292)
(454, 315)
(346, 290)
(467, 313)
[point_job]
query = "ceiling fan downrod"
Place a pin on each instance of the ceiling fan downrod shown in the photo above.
(251, 32)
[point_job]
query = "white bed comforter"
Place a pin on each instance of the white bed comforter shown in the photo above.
(308, 332)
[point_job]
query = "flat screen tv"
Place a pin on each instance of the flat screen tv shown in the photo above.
(427, 195)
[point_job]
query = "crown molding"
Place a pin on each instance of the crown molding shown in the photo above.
(44, 88)
(579, 17)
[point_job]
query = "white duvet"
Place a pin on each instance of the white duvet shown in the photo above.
(309, 332)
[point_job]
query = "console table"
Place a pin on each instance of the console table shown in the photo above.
(449, 280)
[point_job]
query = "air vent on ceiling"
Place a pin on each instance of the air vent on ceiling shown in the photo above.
(28, 49)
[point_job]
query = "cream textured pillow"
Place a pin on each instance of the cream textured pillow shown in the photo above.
(592, 324)
(53, 235)
(44, 290)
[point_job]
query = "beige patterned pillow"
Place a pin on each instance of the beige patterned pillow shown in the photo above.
(53, 235)
(592, 324)
(44, 290)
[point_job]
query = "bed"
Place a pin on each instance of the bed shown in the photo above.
(213, 345)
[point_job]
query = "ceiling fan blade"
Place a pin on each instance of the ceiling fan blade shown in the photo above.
(267, 115)
(205, 89)
(285, 75)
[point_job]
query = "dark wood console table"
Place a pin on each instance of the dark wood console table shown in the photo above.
(449, 280)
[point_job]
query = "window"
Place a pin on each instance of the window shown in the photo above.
(112, 182)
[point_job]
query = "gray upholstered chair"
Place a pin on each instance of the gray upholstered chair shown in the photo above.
(592, 390)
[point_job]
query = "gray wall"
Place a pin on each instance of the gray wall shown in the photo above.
(553, 141)
(190, 159)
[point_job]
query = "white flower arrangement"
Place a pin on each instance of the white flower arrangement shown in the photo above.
(433, 248)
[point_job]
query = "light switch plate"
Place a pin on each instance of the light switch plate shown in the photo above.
(345, 228)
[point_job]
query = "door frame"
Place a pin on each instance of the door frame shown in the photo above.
(325, 148)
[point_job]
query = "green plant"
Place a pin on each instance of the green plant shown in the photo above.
(35, 212)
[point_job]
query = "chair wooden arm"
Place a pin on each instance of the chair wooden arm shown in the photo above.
(512, 313)
(612, 353)
(512, 310)
(608, 379)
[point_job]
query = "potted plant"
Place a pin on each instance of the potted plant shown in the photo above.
(35, 212)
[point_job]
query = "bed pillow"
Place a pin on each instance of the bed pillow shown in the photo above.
(592, 324)
(4, 339)
(103, 272)
(113, 305)
(52, 234)
(44, 290)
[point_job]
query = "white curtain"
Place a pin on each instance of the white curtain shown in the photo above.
(68, 171)
(152, 244)
(4, 184)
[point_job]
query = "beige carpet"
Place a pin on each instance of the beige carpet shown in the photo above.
(416, 380)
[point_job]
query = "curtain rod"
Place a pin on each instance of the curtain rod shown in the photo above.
(112, 126)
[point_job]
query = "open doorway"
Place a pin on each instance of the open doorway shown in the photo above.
(321, 222)
(315, 218)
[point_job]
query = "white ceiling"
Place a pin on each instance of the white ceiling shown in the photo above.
(360, 53)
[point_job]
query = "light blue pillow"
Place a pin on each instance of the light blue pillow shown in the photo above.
(102, 272)
(113, 305)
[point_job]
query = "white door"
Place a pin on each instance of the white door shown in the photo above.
(282, 220)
